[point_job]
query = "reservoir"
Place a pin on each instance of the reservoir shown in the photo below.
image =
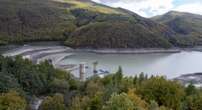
(170, 65)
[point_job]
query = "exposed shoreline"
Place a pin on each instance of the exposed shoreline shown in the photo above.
(137, 50)
(193, 78)
(129, 51)
(111, 50)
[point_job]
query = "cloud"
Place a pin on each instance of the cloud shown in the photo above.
(144, 8)
(98, 1)
(149, 8)
(192, 8)
(125, 1)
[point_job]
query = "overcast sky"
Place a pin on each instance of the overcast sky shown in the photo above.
(149, 8)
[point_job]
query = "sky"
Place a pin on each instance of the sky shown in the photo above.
(149, 8)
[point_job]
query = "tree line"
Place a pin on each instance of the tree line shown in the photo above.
(21, 81)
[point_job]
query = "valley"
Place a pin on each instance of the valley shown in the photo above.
(84, 55)
(133, 62)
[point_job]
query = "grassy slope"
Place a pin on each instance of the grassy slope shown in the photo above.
(82, 22)
(187, 25)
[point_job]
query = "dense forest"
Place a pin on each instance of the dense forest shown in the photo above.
(21, 80)
(85, 24)
(187, 25)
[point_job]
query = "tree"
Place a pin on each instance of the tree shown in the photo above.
(142, 77)
(93, 88)
(12, 101)
(48, 70)
(8, 82)
(164, 92)
(194, 102)
(191, 90)
(59, 86)
(96, 102)
(137, 101)
(117, 78)
(153, 105)
(80, 103)
(119, 74)
(119, 102)
(53, 103)
(76, 104)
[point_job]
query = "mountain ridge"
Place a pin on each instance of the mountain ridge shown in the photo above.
(81, 24)
(185, 24)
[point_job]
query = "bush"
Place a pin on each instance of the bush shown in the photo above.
(53, 103)
(12, 101)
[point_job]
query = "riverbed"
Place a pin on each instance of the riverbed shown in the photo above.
(169, 64)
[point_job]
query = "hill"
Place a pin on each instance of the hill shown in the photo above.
(188, 26)
(82, 23)
(32, 20)
(123, 29)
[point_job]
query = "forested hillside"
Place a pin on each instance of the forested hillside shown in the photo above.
(21, 81)
(82, 23)
(32, 20)
(188, 26)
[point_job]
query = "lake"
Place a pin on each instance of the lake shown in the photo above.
(170, 65)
